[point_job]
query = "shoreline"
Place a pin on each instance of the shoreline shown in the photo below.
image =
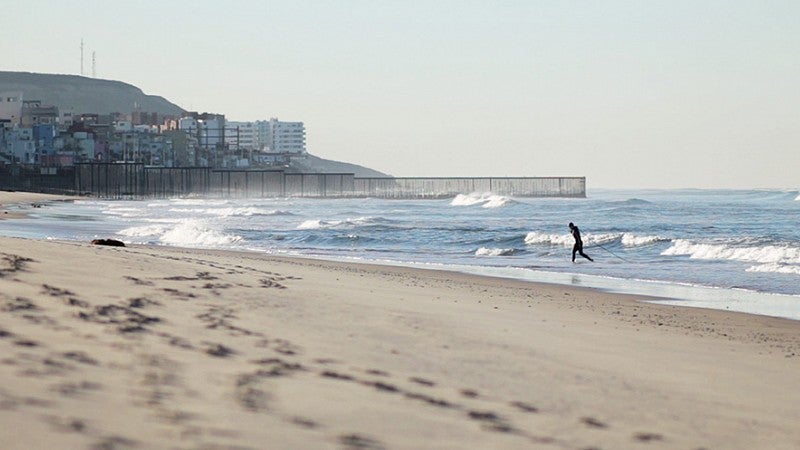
(767, 304)
(12, 201)
(743, 301)
(154, 347)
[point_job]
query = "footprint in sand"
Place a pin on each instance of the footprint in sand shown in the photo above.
(592, 422)
(355, 441)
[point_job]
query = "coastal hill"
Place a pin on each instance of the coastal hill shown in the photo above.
(85, 95)
(314, 164)
(91, 95)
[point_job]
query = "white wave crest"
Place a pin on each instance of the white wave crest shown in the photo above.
(198, 201)
(776, 268)
(765, 254)
(247, 211)
(566, 240)
(497, 201)
(594, 239)
(536, 238)
(314, 224)
(196, 233)
(630, 240)
(483, 251)
(486, 200)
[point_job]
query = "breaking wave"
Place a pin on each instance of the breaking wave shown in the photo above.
(486, 200)
(631, 240)
(776, 268)
(315, 224)
(566, 240)
(188, 233)
(536, 238)
(767, 254)
(483, 251)
(194, 233)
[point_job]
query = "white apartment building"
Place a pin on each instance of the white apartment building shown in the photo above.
(286, 137)
(209, 132)
(268, 136)
(243, 136)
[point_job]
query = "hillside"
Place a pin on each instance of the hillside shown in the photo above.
(314, 164)
(84, 95)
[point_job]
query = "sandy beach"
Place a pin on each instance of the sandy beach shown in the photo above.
(157, 347)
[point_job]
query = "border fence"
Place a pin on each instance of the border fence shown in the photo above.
(447, 187)
(110, 180)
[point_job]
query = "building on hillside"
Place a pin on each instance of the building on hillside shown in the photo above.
(122, 126)
(145, 118)
(266, 142)
(11, 106)
(75, 146)
(242, 135)
(286, 137)
(34, 113)
(17, 145)
(209, 130)
(67, 119)
(184, 146)
(44, 137)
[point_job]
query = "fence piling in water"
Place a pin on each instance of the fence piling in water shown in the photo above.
(129, 180)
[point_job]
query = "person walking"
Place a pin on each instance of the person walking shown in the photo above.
(578, 247)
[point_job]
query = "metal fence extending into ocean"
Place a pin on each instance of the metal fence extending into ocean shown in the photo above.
(139, 181)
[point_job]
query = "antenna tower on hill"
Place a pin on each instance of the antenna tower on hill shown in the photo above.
(94, 67)
(81, 56)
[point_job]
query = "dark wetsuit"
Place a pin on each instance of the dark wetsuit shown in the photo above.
(578, 247)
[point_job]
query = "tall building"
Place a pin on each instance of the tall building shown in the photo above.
(267, 136)
(286, 137)
(209, 130)
(242, 136)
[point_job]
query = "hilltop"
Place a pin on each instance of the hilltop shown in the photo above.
(85, 95)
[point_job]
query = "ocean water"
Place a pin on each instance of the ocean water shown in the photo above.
(726, 249)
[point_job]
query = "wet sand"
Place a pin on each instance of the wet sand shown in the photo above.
(153, 347)
(15, 204)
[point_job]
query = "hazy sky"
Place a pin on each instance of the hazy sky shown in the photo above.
(628, 93)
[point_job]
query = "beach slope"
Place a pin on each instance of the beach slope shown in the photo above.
(151, 347)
